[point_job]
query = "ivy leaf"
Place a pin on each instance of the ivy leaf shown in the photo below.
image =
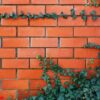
(29, 15)
(60, 97)
(83, 15)
(63, 15)
(73, 15)
(54, 15)
(41, 15)
(13, 15)
(93, 14)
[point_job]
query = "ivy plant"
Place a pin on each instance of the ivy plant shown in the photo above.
(83, 15)
(80, 86)
(93, 45)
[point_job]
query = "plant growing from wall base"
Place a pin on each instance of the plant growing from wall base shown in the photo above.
(80, 86)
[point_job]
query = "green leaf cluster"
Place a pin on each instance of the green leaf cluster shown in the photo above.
(80, 87)
(51, 15)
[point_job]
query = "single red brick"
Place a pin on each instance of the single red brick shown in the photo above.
(59, 31)
(37, 84)
(15, 84)
(15, 42)
(15, 1)
(43, 22)
(72, 2)
(93, 63)
(31, 31)
(44, 42)
(7, 53)
(6, 93)
(94, 40)
(58, 9)
(15, 63)
(30, 52)
(32, 9)
(14, 22)
(91, 22)
(7, 9)
(44, 1)
(59, 53)
(86, 53)
(7, 31)
(7, 73)
(86, 31)
(73, 42)
(34, 63)
(71, 22)
(72, 63)
(87, 9)
(31, 74)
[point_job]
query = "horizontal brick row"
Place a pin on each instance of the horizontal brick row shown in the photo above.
(34, 64)
(50, 22)
(47, 42)
(50, 52)
(50, 32)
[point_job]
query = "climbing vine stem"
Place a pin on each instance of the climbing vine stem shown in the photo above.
(83, 15)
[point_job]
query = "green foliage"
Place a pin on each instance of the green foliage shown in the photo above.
(92, 3)
(80, 87)
(93, 45)
(51, 15)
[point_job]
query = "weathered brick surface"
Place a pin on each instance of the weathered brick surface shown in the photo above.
(61, 39)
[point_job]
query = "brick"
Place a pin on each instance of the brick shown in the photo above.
(7, 31)
(94, 40)
(37, 84)
(86, 53)
(7, 53)
(58, 9)
(87, 9)
(31, 74)
(59, 53)
(27, 93)
(15, 63)
(7, 73)
(59, 32)
(31, 31)
(30, 52)
(91, 22)
(32, 9)
(73, 42)
(44, 1)
(44, 42)
(15, 42)
(43, 22)
(95, 63)
(15, 2)
(71, 22)
(15, 84)
(6, 93)
(14, 22)
(7, 9)
(72, 63)
(34, 63)
(89, 32)
(72, 2)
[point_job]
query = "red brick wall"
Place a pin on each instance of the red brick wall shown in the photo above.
(22, 39)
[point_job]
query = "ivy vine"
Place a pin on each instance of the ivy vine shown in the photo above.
(80, 86)
(93, 45)
(83, 15)
(92, 3)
